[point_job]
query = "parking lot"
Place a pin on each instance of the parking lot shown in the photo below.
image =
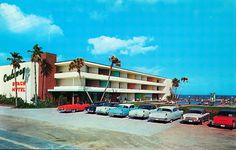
(103, 132)
(84, 120)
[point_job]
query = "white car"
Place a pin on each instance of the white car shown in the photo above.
(103, 110)
(166, 114)
(142, 111)
(196, 115)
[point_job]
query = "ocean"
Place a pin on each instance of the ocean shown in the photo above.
(206, 96)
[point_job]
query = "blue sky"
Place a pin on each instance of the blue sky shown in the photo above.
(171, 38)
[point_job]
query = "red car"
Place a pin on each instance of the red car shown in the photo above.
(72, 107)
(225, 118)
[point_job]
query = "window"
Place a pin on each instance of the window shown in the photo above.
(175, 109)
(164, 109)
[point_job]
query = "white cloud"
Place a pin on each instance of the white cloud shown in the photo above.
(105, 44)
(17, 21)
(153, 70)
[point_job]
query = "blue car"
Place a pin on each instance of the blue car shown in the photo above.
(121, 111)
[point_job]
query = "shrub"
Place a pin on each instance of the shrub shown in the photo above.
(62, 100)
(46, 104)
(10, 100)
(26, 105)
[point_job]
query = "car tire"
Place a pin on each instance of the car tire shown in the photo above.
(234, 125)
(201, 121)
(210, 124)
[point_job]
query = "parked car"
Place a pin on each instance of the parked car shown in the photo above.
(225, 118)
(92, 108)
(72, 107)
(103, 110)
(165, 114)
(121, 110)
(142, 111)
(195, 115)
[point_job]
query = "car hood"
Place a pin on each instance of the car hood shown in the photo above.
(116, 110)
(192, 115)
(139, 111)
(161, 114)
(222, 118)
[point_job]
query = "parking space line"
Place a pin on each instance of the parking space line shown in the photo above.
(18, 143)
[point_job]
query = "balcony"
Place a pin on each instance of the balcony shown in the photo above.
(104, 77)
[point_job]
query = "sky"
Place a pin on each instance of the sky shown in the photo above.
(170, 38)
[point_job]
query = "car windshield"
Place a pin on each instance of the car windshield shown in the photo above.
(226, 113)
(165, 109)
(195, 111)
(145, 107)
(122, 106)
(99, 104)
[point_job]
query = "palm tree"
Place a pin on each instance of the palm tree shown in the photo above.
(175, 85)
(78, 64)
(184, 79)
(114, 61)
(35, 58)
(15, 59)
(46, 69)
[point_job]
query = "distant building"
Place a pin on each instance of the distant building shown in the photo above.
(124, 84)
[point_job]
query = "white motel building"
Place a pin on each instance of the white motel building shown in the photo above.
(125, 85)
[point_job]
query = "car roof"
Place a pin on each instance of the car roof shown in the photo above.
(126, 105)
(168, 107)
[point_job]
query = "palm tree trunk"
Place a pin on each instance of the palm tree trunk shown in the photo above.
(35, 82)
(85, 89)
(15, 87)
(109, 76)
(175, 93)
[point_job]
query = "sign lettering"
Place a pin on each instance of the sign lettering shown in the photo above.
(12, 75)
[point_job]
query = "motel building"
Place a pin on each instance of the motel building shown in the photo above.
(125, 85)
